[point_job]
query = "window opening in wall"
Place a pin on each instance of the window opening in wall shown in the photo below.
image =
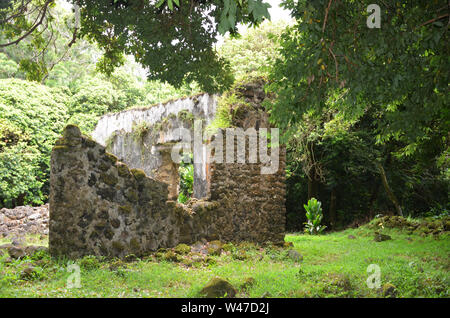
(186, 173)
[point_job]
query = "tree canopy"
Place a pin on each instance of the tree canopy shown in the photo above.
(174, 40)
(332, 58)
(365, 108)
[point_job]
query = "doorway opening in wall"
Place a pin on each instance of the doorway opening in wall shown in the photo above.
(186, 173)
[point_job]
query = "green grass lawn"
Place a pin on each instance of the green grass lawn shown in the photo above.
(333, 265)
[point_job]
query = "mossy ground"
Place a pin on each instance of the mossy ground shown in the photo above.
(333, 265)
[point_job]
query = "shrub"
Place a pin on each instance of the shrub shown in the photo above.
(314, 216)
(30, 122)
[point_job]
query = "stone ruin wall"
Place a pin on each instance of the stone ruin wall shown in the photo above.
(252, 205)
(100, 205)
(143, 137)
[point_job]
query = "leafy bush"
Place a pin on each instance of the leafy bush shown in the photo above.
(95, 96)
(255, 51)
(7, 67)
(32, 118)
(314, 216)
(20, 175)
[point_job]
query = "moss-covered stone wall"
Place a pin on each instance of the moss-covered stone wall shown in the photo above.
(99, 206)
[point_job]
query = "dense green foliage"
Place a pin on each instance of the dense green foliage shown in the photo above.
(31, 120)
(357, 103)
(173, 39)
(254, 52)
(176, 43)
(186, 190)
(37, 35)
(362, 110)
(398, 70)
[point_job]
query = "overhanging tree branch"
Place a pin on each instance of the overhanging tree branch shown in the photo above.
(39, 20)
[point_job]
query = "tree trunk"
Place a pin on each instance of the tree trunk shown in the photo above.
(373, 197)
(389, 192)
(333, 208)
(313, 187)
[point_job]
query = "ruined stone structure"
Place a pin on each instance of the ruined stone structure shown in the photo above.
(115, 194)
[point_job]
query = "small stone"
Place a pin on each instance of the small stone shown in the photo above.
(218, 287)
(351, 237)
(215, 248)
(18, 241)
(16, 252)
(389, 290)
(32, 249)
(381, 237)
(295, 256)
(27, 272)
(34, 216)
(198, 247)
(115, 223)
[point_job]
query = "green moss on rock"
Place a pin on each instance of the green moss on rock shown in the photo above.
(228, 247)
(182, 249)
(108, 179)
(240, 255)
(134, 244)
(215, 247)
(109, 233)
(100, 225)
(126, 209)
(118, 246)
(170, 256)
(381, 237)
(103, 166)
(131, 195)
(110, 157)
(89, 142)
(218, 287)
(60, 148)
(139, 174)
(123, 170)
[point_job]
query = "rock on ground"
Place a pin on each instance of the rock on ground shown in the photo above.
(24, 220)
(218, 287)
